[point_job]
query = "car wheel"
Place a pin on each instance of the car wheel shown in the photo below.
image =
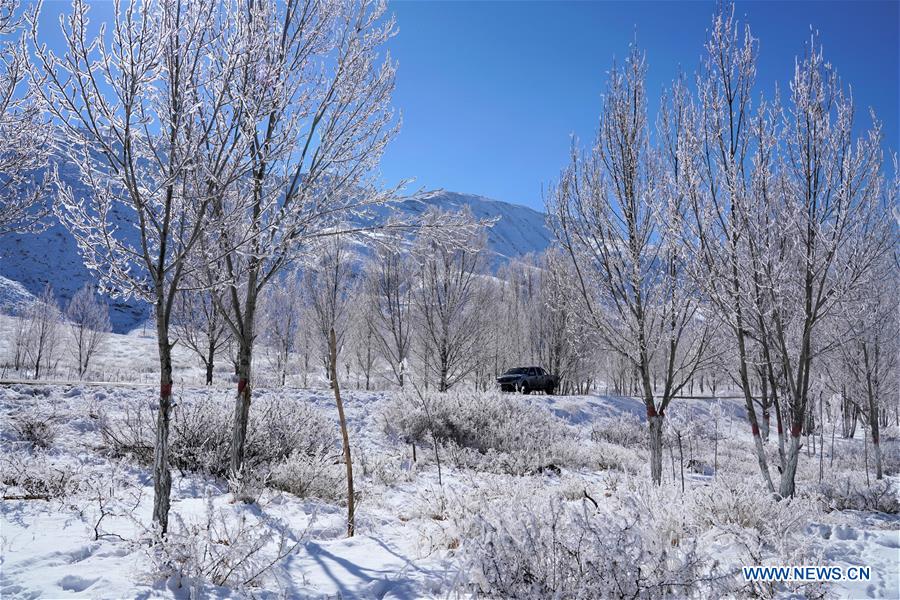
(551, 390)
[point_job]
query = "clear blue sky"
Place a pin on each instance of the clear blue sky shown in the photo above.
(491, 91)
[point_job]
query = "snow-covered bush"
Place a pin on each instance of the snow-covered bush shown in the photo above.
(35, 428)
(638, 540)
(545, 548)
(35, 477)
(201, 434)
(381, 469)
(624, 430)
(850, 491)
(129, 434)
(227, 547)
(489, 431)
(612, 457)
(319, 475)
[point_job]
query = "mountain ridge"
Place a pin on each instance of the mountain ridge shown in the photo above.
(28, 262)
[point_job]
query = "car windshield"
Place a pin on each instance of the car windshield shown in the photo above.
(519, 371)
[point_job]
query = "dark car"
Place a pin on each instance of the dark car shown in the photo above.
(527, 380)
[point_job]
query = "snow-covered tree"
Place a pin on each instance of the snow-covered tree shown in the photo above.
(316, 96)
(89, 325)
(329, 282)
(363, 338)
(782, 238)
(147, 118)
(280, 316)
(199, 326)
(389, 283)
(612, 212)
(39, 335)
(24, 133)
(833, 227)
(448, 299)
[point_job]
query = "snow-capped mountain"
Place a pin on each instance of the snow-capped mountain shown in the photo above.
(31, 261)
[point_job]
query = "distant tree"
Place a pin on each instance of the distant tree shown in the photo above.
(389, 284)
(200, 327)
(328, 283)
(42, 332)
(363, 336)
(450, 263)
(89, 325)
(281, 311)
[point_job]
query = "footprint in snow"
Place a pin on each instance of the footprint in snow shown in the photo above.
(845, 532)
(74, 583)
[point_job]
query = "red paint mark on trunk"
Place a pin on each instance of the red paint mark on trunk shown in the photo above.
(242, 385)
(754, 428)
(165, 390)
(651, 410)
(796, 428)
(875, 438)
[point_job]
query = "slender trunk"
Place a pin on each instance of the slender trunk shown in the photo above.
(866, 456)
(241, 409)
(821, 441)
(786, 489)
(332, 349)
(833, 431)
(876, 450)
(681, 461)
(672, 458)
(655, 422)
(716, 450)
(210, 357)
(782, 442)
(162, 477)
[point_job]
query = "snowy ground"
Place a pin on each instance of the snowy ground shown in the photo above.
(408, 538)
(76, 516)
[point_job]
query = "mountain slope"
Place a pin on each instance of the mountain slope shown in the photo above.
(34, 260)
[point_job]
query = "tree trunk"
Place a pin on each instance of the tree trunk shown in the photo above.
(786, 489)
(241, 409)
(332, 349)
(162, 477)
(876, 447)
(655, 423)
(210, 357)
(782, 442)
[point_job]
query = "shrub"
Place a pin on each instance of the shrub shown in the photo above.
(227, 547)
(625, 430)
(319, 475)
(35, 428)
(851, 492)
(490, 432)
(200, 438)
(550, 548)
(639, 540)
(34, 477)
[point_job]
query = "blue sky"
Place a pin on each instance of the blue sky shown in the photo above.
(491, 91)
